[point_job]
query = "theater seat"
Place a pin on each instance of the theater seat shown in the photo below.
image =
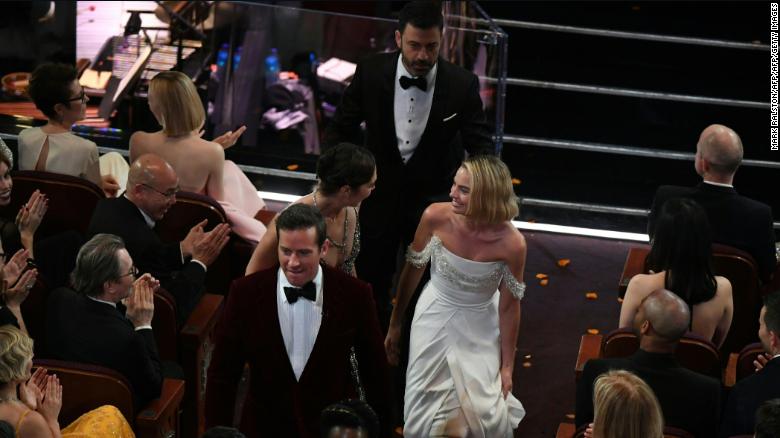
(192, 208)
(741, 365)
(71, 200)
(693, 351)
(86, 387)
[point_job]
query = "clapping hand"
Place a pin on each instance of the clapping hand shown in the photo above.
(209, 245)
(229, 138)
(30, 215)
(15, 266)
(15, 296)
(52, 399)
(31, 392)
(140, 305)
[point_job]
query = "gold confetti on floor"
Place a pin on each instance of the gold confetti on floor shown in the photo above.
(563, 263)
(544, 282)
(526, 364)
(292, 167)
(592, 295)
(541, 276)
(593, 331)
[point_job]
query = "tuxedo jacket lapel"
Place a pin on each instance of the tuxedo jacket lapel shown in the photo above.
(387, 103)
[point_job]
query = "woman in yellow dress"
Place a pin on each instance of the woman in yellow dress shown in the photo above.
(34, 412)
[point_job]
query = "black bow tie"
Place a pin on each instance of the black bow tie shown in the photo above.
(418, 82)
(308, 291)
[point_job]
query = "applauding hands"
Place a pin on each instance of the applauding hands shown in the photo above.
(205, 246)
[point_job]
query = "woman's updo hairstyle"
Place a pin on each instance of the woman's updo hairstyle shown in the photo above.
(345, 164)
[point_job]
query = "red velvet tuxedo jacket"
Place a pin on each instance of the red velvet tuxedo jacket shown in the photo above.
(276, 404)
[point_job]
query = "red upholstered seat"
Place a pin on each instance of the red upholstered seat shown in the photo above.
(86, 387)
(71, 200)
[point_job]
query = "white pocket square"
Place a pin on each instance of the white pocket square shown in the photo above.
(450, 117)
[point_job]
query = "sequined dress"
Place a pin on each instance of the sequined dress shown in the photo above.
(455, 350)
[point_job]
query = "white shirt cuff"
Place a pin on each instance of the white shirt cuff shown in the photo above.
(143, 327)
(203, 265)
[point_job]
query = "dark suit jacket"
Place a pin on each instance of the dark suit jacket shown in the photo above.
(277, 405)
(747, 396)
(83, 330)
(734, 220)
(689, 400)
(407, 189)
(121, 217)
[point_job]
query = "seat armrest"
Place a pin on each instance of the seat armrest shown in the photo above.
(730, 373)
(202, 320)
(565, 430)
(590, 348)
(635, 264)
(160, 418)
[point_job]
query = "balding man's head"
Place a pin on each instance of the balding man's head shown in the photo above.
(721, 148)
(663, 314)
(152, 185)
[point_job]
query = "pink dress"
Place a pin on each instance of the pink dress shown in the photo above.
(241, 203)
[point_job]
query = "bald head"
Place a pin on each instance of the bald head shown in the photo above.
(667, 314)
(148, 169)
(721, 148)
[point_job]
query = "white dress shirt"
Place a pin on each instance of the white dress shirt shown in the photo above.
(411, 108)
(299, 322)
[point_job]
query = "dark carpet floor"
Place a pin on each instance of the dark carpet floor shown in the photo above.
(556, 315)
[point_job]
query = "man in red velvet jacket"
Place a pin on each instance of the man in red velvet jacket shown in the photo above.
(302, 327)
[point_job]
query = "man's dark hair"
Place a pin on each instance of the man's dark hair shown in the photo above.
(345, 164)
(96, 263)
(351, 413)
(223, 432)
(772, 315)
(301, 217)
(50, 85)
(768, 419)
(421, 14)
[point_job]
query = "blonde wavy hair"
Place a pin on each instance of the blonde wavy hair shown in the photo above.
(625, 407)
(179, 106)
(492, 199)
(16, 348)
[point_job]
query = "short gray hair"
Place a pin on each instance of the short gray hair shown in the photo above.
(96, 263)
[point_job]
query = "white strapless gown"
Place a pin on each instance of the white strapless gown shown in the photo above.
(453, 384)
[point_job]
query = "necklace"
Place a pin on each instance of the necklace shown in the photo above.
(339, 246)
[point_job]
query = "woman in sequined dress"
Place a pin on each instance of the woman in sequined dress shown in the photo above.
(465, 326)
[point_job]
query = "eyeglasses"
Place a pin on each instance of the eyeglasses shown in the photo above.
(168, 194)
(82, 97)
(133, 271)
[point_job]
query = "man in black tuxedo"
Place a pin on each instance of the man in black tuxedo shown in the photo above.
(309, 333)
(735, 220)
(748, 394)
(89, 324)
(181, 266)
(689, 400)
(421, 112)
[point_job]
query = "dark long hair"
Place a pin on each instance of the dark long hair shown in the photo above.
(682, 247)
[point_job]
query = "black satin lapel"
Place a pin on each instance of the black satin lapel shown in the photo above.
(387, 102)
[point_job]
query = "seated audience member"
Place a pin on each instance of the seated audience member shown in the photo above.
(768, 419)
(55, 254)
(56, 91)
(735, 220)
(346, 176)
(309, 333)
(349, 419)
(89, 323)
(680, 260)
(31, 403)
(181, 266)
(689, 401)
(748, 394)
(625, 407)
(201, 164)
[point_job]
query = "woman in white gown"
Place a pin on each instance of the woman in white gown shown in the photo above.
(464, 331)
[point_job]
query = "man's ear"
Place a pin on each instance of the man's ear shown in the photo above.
(59, 107)
(398, 38)
(645, 327)
(324, 248)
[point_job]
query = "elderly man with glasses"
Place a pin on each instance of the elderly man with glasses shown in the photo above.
(181, 266)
